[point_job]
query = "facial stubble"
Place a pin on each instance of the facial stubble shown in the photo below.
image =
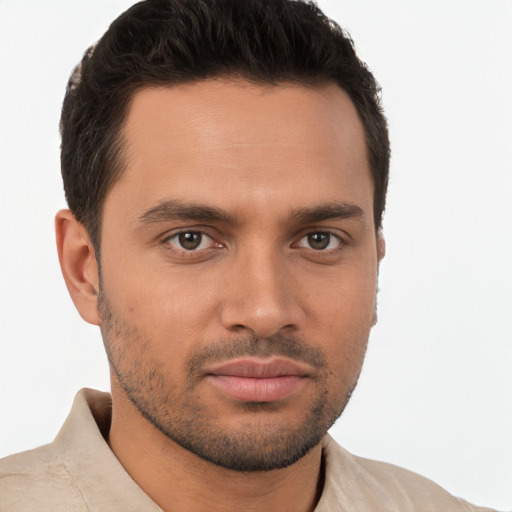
(261, 442)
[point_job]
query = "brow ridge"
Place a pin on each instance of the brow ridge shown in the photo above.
(174, 209)
(330, 211)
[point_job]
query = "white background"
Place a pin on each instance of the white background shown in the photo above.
(435, 394)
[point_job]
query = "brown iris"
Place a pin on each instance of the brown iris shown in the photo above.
(190, 240)
(319, 241)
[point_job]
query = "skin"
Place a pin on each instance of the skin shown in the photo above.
(286, 166)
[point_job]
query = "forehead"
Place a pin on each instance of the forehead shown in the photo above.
(236, 144)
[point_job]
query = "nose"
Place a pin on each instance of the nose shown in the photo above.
(261, 296)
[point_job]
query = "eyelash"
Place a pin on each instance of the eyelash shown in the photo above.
(195, 251)
(176, 235)
(330, 237)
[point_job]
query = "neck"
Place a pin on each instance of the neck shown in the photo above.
(178, 480)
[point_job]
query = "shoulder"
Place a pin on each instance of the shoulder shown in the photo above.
(356, 483)
(30, 481)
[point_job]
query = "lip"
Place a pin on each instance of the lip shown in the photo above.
(259, 380)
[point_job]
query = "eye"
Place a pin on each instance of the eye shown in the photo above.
(320, 241)
(191, 241)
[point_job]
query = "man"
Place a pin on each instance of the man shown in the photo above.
(226, 166)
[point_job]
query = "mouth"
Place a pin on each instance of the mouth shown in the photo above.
(259, 380)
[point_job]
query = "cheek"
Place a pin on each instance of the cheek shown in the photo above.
(346, 301)
(171, 310)
(344, 315)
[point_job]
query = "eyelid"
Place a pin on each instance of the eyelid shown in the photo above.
(340, 242)
(204, 230)
(165, 239)
(343, 237)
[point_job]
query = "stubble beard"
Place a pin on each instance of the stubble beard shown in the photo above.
(255, 445)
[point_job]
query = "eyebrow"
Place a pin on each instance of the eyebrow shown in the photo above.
(173, 209)
(337, 210)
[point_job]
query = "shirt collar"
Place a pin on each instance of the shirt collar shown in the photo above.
(101, 478)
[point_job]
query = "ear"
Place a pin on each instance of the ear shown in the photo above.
(78, 264)
(381, 252)
(381, 246)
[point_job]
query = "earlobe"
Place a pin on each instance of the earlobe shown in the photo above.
(78, 264)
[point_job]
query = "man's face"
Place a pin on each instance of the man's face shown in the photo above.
(239, 266)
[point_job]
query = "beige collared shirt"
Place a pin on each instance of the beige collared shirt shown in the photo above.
(79, 473)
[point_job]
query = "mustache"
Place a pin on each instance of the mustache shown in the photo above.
(253, 346)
